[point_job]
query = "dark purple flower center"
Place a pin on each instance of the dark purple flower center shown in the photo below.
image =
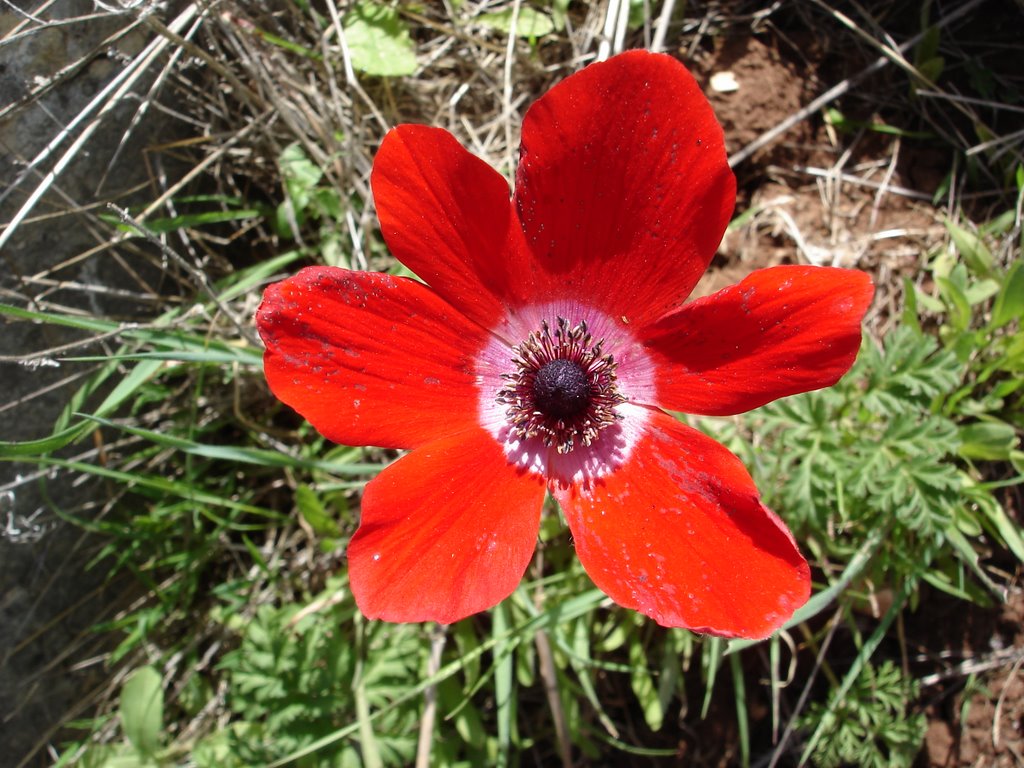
(562, 388)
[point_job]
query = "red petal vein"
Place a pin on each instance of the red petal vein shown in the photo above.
(446, 531)
(779, 332)
(369, 359)
(447, 216)
(680, 534)
(623, 187)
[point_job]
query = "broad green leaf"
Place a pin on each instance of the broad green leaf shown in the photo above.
(981, 291)
(972, 249)
(108, 756)
(529, 24)
(987, 440)
(378, 41)
(928, 301)
(314, 512)
(1008, 530)
(960, 309)
(909, 316)
(932, 68)
(300, 175)
(1009, 304)
(142, 710)
(560, 13)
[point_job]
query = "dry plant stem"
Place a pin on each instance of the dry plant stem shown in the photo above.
(781, 747)
(896, 56)
(124, 82)
(196, 274)
(146, 101)
(506, 91)
(615, 18)
(550, 677)
(426, 736)
(849, 178)
(48, 354)
(66, 131)
(62, 75)
(840, 88)
(998, 714)
(20, 12)
(549, 674)
(661, 30)
(55, 386)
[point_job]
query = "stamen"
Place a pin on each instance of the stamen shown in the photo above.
(563, 388)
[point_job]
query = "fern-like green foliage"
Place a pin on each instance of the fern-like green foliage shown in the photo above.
(870, 727)
(294, 680)
(869, 452)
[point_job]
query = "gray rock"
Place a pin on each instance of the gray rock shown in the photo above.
(51, 69)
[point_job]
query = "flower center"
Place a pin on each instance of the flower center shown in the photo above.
(563, 389)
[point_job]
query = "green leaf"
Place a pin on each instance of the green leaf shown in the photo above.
(300, 175)
(378, 41)
(988, 440)
(932, 68)
(184, 221)
(1007, 528)
(973, 250)
(314, 512)
(44, 445)
(960, 308)
(643, 687)
(529, 24)
(560, 13)
(966, 553)
(142, 710)
(981, 291)
(1009, 304)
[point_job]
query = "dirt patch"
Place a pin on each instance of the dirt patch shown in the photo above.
(977, 712)
(817, 195)
(763, 86)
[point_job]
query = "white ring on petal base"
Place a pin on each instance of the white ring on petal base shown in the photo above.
(634, 373)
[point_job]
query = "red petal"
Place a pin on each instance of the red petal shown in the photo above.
(369, 359)
(780, 331)
(623, 187)
(447, 216)
(680, 534)
(446, 531)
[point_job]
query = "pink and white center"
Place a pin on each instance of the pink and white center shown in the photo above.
(557, 387)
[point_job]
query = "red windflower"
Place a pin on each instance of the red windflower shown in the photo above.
(549, 336)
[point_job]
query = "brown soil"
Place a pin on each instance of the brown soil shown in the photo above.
(816, 195)
(976, 708)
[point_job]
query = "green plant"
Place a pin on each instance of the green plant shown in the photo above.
(297, 676)
(871, 725)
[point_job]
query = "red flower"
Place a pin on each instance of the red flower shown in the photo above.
(549, 336)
